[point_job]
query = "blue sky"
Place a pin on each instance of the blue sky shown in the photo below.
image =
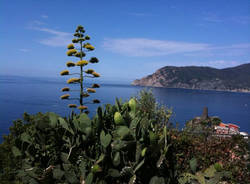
(132, 38)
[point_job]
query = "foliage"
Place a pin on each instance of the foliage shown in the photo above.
(56, 150)
(80, 52)
(129, 142)
(209, 176)
(231, 153)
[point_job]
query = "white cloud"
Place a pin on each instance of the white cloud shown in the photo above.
(220, 63)
(214, 18)
(45, 16)
(37, 22)
(148, 47)
(137, 14)
(59, 38)
(24, 50)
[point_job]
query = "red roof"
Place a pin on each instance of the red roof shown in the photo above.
(233, 126)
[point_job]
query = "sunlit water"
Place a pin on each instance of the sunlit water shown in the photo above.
(32, 95)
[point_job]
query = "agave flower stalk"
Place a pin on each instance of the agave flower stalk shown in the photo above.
(78, 49)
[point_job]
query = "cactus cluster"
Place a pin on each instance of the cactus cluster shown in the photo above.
(118, 145)
(80, 52)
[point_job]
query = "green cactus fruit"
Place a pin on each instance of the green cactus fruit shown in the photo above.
(132, 104)
(96, 168)
(117, 159)
(118, 118)
(143, 152)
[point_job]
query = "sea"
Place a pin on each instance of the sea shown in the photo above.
(37, 94)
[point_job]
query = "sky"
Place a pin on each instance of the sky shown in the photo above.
(132, 38)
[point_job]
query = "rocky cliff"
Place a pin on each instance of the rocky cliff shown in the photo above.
(205, 78)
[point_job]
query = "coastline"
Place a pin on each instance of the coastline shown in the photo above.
(234, 91)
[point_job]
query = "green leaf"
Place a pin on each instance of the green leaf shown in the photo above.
(64, 157)
(105, 139)
(122, 132)
(16, 152)
(71, 176)
(53, 119)
(66, 167)
(33, 181)
(157, 180)
(143, 152)
(89, 178)
(160, 160)
(84, 120)
(132, 180)
(25, 137)
(209, 172)
(100, 158)
(64, 124)
(117, 159)
(82, 168)
(114, 173)
(139, 165)
(96, 168)
(57, 173)
(118, 103)
(193, 164)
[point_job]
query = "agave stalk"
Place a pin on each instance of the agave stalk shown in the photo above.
(79, 52)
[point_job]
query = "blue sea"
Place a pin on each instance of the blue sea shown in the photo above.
(33, 95)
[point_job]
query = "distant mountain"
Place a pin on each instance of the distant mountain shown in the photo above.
(205, 78)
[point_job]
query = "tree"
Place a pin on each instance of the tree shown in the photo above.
(80, 52)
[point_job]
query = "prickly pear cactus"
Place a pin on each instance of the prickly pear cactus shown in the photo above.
(118, 144)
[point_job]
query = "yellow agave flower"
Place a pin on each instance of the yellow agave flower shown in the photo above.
(89, 47)
(66, 96)
(82, 107)
(70, 46)
(91, 90)
(64, 72)
(71, 52)
(80, 54)
(70, 64)
(77, 34)
(73, 80)
(96, 101)
(72, 105)
(80, 27)
(65, 89)
(95, 86)
(74, 40)
(87, 37)
(81, 39)
(96, 74)
(89, 71)
(93, 60)
(82, 63)
(85, 95)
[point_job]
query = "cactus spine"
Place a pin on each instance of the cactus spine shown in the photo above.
(80, 52)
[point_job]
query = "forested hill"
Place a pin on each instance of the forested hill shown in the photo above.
(194, 77)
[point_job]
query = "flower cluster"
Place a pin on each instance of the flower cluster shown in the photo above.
(78, 48)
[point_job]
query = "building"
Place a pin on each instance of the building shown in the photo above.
(226, 129)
